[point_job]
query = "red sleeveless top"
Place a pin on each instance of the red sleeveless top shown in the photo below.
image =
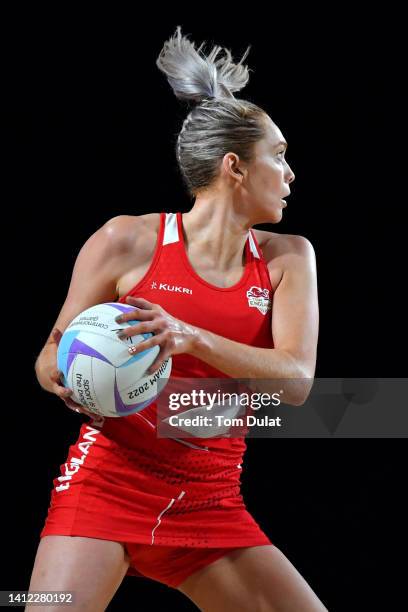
(241, 313)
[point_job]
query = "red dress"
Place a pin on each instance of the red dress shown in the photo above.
(174, 504)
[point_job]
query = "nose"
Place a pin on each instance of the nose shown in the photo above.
(290, 175)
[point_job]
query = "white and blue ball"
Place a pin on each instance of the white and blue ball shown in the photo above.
(99, 369)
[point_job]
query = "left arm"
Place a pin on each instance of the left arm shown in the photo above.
(295, 323)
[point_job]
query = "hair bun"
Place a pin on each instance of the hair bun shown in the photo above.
(195, 76)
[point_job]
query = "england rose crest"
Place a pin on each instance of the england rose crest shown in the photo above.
(259, 298)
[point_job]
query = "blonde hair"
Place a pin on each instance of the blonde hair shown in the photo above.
(219, 122)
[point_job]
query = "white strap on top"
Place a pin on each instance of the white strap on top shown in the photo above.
(171, 233)
(252, 245)
(170, 229)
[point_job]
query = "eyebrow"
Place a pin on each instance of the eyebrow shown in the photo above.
(281, 142)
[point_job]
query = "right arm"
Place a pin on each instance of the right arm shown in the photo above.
(99, 265)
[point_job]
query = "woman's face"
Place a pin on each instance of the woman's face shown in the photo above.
(268, 176)
(264, 183)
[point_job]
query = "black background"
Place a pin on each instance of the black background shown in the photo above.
(91, 125)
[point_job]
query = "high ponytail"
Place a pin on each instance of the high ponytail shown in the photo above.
(195, 76)
(219, 123)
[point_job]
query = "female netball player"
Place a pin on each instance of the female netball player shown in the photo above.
(127, 501)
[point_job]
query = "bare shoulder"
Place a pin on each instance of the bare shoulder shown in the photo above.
(125, 225)
(276, 245)
(282, 252)
(129, 232)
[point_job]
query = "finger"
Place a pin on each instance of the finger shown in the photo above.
(157, 363)
(71, 404)
(140, 301)
(135, 315)
(61, 391)
(140, 328)
(56, 375)
(74, 407)
(146, 344)
(77, 407)
(83, 410)
(64, 393)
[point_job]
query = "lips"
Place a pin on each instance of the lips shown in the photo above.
(284, 201)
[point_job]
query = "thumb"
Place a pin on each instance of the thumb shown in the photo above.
(57, 376)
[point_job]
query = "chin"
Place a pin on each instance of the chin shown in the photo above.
(271, 218)
(275, 213)
(271, 213)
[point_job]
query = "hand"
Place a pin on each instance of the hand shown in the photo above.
(49, 376)
(172, 335)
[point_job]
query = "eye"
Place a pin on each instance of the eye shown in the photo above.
(281, 153)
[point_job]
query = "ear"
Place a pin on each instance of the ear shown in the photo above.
(233, 163)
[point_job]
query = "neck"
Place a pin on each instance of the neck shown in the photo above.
(217, 231)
